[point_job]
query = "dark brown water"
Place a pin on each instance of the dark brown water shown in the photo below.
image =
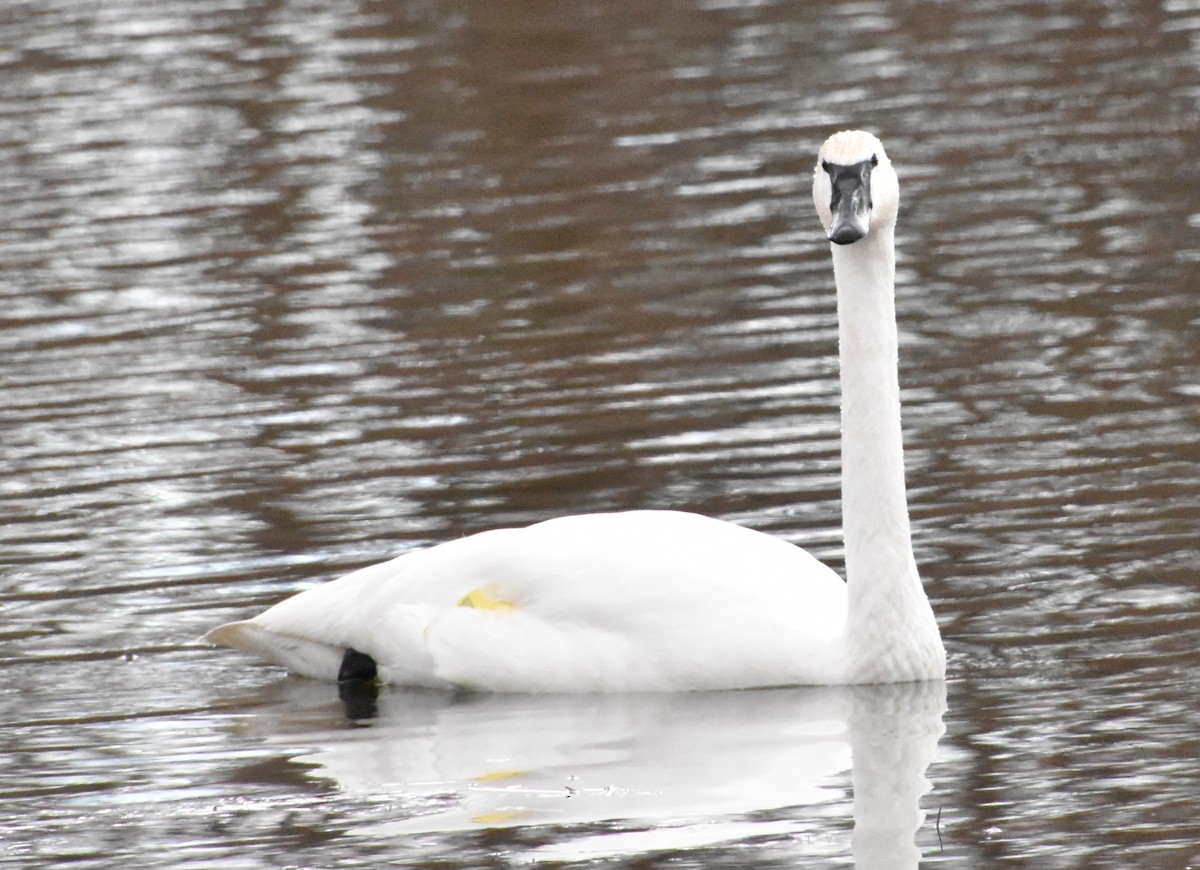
(288, 288)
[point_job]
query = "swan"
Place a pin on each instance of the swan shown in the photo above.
(660, 600)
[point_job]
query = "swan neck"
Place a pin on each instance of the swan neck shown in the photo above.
(887, 607)
(874, 502)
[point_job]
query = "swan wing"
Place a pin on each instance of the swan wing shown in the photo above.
(644, 600)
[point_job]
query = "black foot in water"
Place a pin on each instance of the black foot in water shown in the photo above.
(358, 685)
(360, 701)
(357, 666)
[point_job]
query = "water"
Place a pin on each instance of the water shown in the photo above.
(292, 288)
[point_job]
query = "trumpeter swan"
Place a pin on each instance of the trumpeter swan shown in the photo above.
(663, 600)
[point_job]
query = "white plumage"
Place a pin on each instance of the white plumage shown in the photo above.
(663, 600)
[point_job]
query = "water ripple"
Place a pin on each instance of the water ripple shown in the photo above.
(291, 290)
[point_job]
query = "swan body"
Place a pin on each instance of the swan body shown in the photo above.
(664, 600)
(644, 600)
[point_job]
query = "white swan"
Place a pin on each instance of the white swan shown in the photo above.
(661, 600)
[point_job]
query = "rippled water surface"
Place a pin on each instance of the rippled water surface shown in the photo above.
(289, 288)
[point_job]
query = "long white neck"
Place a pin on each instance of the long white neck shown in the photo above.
(891, 634)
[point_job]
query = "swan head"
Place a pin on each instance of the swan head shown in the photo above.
(854, 186)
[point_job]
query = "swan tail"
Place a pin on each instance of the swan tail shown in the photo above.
(299, 655)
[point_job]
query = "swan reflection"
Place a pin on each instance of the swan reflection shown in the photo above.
(691, 766)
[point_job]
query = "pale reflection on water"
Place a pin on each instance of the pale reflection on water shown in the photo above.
(677, 770)
(291, 288)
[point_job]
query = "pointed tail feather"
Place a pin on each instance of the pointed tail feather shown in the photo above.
(300, 656)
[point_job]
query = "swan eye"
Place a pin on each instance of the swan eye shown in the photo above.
(827, 166)
(874, 160)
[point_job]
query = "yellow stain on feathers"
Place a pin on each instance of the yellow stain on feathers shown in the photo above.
(485, 598)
